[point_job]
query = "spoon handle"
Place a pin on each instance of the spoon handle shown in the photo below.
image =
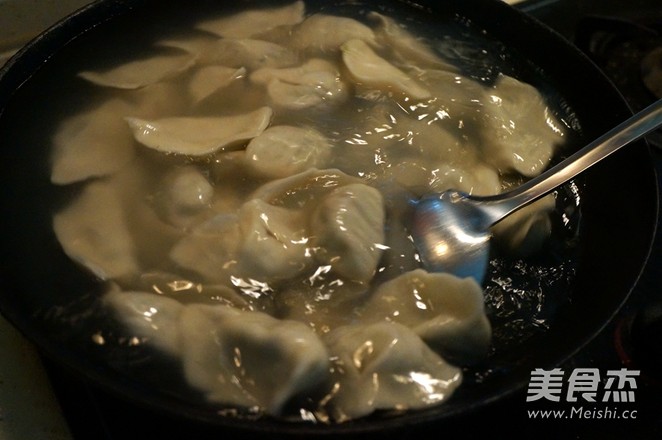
(499, 206)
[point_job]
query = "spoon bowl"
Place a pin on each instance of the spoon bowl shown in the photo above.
(451, 230)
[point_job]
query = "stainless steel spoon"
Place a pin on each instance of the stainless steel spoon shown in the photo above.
(451, 230)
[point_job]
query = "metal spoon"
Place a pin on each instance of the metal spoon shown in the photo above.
(451, 230)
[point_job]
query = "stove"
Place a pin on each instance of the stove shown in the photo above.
(624, 38)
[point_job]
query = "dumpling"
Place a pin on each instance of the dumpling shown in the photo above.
(285, 150)
(524, 232)
(225, 352)
(92, 144)
(348, 229)
(249, 53)
(447, 312)
(370, 70)
(315, 82)
(521, 133)
(326, 33)
(303, 189)
(141, 73)
(210, 79)
(406, 46)
(262, 242)
(185, 195)
(93, 231)
(151, 318)
(274, 241)
(199, 136)
(384, 366)
(256, 21)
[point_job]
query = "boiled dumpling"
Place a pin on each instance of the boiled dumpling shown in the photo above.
(225, 352)
(141, 73)
(210, 79)
(92, 144)
(273, 241)
(303, 189)
(348, 228)
(447, 312)
(262, 242)
(521, 132)
(250, 54)
(199, 136)
(370, 70)
(326, 33)
(186, 194)
(211, 248)
(407, 47)
(524, 232)
(256, 21)
(285, 150)
(385, 366)
(149, 317)
(93, 231)
(315, 82)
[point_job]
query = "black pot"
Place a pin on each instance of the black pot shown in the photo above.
(55, 304)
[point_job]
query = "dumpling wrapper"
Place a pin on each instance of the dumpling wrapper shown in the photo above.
(385, 366)
(93, 231)
(521, 133)
(210, 79)
(250, 358)
(141, 73)
(406, 46)
(92, 144)
(348, 229)
(262, 242)
(447, 312)
(369, 69)
(150, 317)
(327, 33)
(314, 82)
(524, 232)
(199, 136)
(248, 53)
(285, 150)
(249, 23)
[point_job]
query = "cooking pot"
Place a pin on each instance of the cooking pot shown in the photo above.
(55, 303)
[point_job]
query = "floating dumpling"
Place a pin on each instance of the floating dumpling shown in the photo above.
(248, 53)
(521, 133)
(199, 136)
(210, 79)
(225, 352)
(447, 312)
(385, 366)
(253, 22)
(150, 318)
(141, 73)
(186, 195)
(285, 150)
(93, 231)
(262, 242)
(310, 84)
(370, 70)
(348, 227)
(93, 144)
(409, 48)
(303, 189)
(326, 33)
(524, 232)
